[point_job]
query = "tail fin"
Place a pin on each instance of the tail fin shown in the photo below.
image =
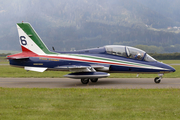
(30, 41)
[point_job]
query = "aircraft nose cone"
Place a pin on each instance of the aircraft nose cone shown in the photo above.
(172, 69)
(167, 68)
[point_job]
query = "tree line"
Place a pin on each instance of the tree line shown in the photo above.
(4, 54)
(166, 56)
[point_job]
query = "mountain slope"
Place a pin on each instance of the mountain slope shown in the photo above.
(69, 24)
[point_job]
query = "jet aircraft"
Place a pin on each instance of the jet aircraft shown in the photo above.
(89, 64)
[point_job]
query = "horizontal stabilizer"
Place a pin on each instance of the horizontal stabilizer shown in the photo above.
(17, 58)
(36, 69)
(80, 75)
(23, 55)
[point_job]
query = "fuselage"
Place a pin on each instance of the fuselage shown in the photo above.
(93, 57)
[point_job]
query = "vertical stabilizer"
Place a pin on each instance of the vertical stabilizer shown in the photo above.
(30, 41)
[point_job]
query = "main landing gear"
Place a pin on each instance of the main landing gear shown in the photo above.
(158, 79)
(86, 80)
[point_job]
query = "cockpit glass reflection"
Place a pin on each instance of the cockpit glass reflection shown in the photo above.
(135, 53)
(128, 52)
(116, 50)
(149, 58)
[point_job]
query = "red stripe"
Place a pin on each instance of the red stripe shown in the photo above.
(25, 49)
(25, 53)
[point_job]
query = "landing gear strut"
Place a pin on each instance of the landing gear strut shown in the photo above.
(158, 79)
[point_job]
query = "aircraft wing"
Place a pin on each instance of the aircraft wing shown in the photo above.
(89, 75)
(83, 68)
(85, 71)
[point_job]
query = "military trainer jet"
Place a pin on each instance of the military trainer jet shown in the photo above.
(88, 64)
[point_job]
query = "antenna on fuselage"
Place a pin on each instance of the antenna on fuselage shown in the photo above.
(53, 48)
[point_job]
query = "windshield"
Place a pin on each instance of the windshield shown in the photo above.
(149, 58)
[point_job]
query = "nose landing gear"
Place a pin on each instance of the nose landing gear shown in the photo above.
(158, 79)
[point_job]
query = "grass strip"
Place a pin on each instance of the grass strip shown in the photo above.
(76, 104)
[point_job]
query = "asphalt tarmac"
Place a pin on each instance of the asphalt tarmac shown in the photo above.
(117, 83)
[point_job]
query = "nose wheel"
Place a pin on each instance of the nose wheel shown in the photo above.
(158, 79)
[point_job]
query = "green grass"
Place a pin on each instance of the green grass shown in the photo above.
(77, 104)
(89, 104)
(9, 71)
(170, 61)
(3, 60)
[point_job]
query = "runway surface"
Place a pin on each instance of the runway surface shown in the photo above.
(117, 83)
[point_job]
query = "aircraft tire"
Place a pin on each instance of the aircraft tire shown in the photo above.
(84, 80)
(157, 80)
(94, 80)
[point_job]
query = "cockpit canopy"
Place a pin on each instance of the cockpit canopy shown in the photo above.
(129, 52)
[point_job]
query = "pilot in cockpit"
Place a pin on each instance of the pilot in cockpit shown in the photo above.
(137, 56)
